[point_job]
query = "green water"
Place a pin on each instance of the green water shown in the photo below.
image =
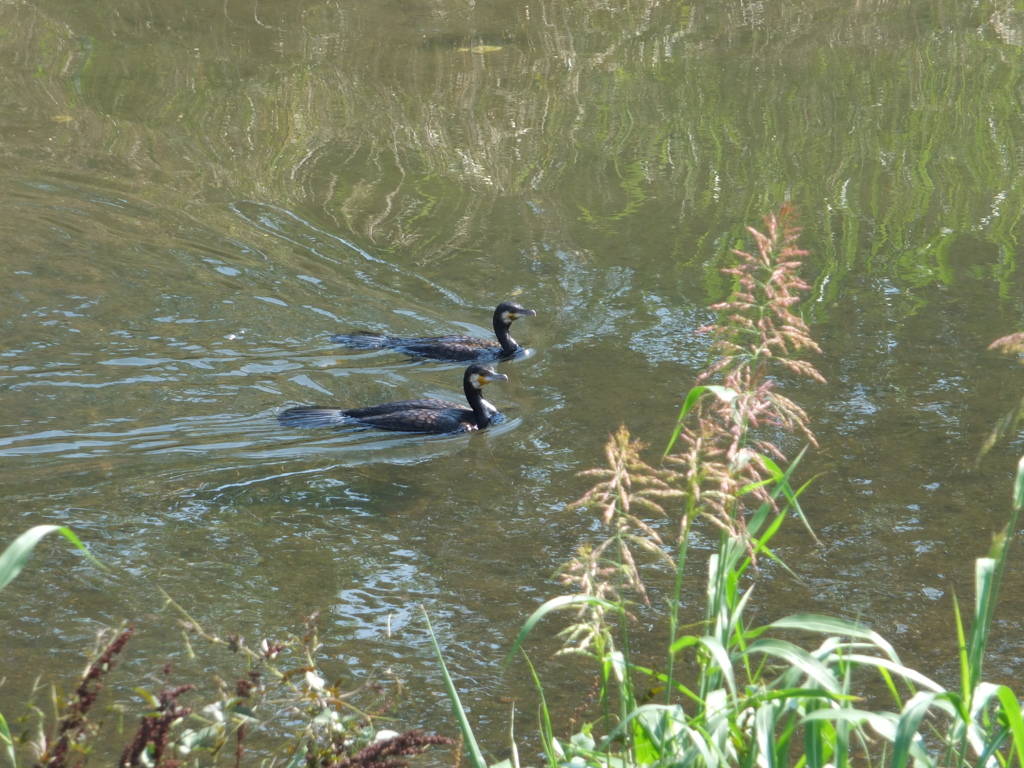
(196, 196)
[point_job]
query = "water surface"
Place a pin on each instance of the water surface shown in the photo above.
(196, 198)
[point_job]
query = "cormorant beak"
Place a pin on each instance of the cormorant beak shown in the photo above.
(524, 313)
(487, 378)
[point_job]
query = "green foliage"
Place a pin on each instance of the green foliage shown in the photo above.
(680, 117)
(460, 713)
(326, 724)
(735, 693)
(281, 692)
(8, 743)
(12, 561)
(18, 551)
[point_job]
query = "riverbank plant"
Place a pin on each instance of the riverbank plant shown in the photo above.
(731, 692)
(281, 699)
(806, 690)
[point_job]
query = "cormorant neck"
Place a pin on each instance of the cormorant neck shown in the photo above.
(501, 330)
(476, 401)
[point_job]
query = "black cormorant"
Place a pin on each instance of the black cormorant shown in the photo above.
(435, 416)
(449, 348)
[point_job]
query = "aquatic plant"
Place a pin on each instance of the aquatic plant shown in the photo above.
(734, 693)
(1009, 345)
(310, 721)
(17, 553)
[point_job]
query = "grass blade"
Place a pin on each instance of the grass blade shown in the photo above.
(725, 394)
(8, 743)
(547, 730)
(18, 552)
(557, 603)
(1011, 708)
(475, 755)
(906, 737)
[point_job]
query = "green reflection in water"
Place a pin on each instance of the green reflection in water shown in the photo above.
(382, 125)
(236, 181)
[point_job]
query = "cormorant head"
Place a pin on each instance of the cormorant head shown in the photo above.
(477, 376)
(508, 311)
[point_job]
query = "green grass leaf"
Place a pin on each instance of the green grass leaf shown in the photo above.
(547, 730)
(18, 552)
(906, 737)
(1011, 709)
(555, 604)
(1018, 486)
(725, 394)
(721, 658)
(907, 674)
(475, 755)
(795, 656)
(8, 743)
(830, 625)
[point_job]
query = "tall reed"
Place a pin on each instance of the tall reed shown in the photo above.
(752, 697)
(723, 458)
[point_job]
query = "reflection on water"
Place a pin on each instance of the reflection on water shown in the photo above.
(247, 437)
(196, 199)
